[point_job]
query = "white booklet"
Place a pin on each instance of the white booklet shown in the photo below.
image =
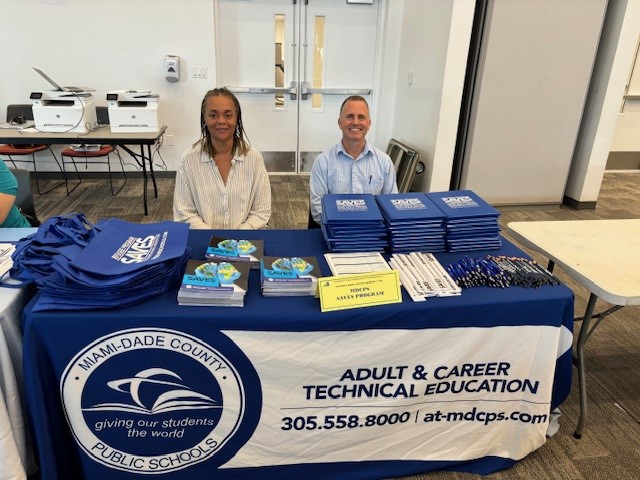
(357, 262)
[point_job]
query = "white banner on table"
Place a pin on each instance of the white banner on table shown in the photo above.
(435, 394)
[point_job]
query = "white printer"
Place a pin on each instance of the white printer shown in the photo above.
(133, 111)
(64, 111)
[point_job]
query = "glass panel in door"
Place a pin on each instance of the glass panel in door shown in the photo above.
(274, 54)
(339, 60)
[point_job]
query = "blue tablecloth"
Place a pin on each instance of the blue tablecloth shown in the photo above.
(277, 389)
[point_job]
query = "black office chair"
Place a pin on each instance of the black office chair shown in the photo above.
(24, 197)
(311, 223)
(100, 155)
(405, 161)
(17, 153)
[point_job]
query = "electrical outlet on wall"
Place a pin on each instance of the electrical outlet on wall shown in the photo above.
(199, 72)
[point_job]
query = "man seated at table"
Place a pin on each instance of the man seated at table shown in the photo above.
(352, 165)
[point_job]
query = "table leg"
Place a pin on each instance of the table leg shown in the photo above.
(582, 380)
(153, 176)
(144, 179)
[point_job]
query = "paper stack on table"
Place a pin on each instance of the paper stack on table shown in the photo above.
(356, 262)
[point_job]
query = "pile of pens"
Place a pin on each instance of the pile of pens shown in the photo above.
(499, 272)
(478, 272)
(524, 272)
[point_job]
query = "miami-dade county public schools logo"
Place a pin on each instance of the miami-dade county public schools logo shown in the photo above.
(151, 400)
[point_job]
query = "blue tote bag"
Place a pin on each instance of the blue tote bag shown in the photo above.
(123, 247)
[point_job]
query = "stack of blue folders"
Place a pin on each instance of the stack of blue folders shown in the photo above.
(414, 222)
(471, 223)
(352, 222)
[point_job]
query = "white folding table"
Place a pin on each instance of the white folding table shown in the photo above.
(601, 255)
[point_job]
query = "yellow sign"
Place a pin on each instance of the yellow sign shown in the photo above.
(361, 290)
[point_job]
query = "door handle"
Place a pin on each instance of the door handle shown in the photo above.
(258, 89)
(340, 91)
(291, 90)
(306, 90)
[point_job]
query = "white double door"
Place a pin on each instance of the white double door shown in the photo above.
(291, 63)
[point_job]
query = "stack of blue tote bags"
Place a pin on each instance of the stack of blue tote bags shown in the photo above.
(113, 263)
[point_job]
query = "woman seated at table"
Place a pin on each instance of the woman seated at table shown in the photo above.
(222, 181)
(10, 216)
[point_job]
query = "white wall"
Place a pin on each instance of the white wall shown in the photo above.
(121, 44)
(452, 90)
(535, 68)
(421, 36)
(617, 49)
(433, 42)
(625, 146)
(108, 45)
(626, 138)
(385, 88)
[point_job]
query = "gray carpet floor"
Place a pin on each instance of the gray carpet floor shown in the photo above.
(610, 447)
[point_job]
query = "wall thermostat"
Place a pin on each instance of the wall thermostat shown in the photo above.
(172, 68)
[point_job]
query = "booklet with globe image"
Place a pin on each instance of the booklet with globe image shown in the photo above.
(289, 276)
(214, 283)
(237, 250)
